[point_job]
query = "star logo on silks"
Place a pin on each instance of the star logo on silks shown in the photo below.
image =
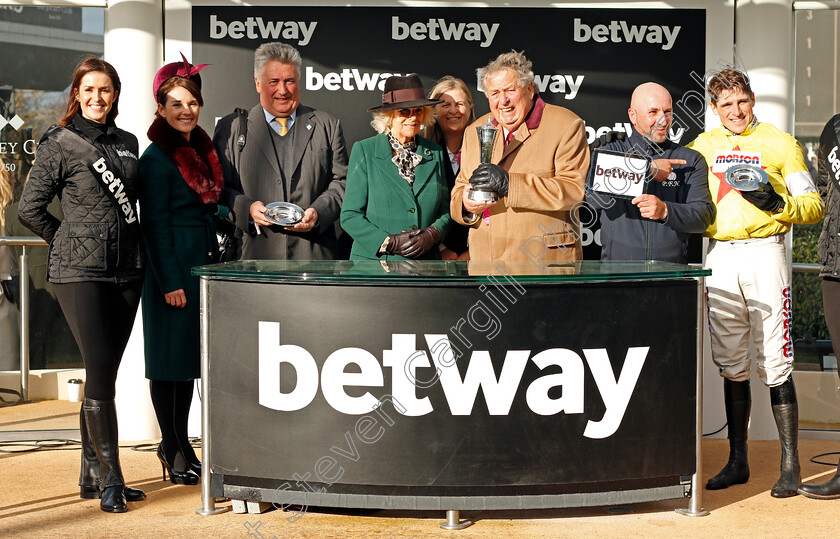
(722, 158)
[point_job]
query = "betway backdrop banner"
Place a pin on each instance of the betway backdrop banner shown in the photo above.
(587, 60)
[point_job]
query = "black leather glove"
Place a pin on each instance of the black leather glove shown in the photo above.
(766, 199)
(489, 177)
(606, 138)
(420, 241)
(397, 242)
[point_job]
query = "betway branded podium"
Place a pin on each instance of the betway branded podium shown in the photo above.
(451, 385)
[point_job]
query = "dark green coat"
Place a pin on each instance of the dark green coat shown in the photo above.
(180, 234)
(379, 202)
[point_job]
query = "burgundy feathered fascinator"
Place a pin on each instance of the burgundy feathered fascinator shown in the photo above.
(177, 69)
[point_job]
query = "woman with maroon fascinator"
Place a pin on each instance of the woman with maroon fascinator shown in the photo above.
(181, 179)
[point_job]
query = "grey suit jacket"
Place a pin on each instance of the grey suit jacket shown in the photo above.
(317, 181)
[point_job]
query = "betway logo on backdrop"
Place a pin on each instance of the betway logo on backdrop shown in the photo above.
(460, 393)
(554, 84)
(621, 32)
(350, 79)
(258, 28)
(675, 133)
(437, 29)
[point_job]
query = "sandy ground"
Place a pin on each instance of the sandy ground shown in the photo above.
(39, 498)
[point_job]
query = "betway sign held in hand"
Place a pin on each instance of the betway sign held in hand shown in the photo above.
(460, 393)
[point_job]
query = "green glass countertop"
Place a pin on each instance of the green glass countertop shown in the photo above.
(431, 271)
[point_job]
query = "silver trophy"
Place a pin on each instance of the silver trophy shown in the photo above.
(486, 140)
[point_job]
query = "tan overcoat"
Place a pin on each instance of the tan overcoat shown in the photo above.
(547, 161)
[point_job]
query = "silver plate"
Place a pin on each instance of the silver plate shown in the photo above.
(284, 213)
(482, 196)
(745, 177)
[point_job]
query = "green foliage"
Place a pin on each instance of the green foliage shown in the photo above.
(805, 241)
(806, 290)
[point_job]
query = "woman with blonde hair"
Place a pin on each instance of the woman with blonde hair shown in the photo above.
(396, 205)
(454, 114)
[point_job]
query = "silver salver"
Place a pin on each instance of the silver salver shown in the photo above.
(283, 213)
(745, 177)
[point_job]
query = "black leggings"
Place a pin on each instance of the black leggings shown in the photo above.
(101, 316)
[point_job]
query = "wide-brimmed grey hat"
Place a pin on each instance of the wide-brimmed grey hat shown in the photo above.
(404, 93)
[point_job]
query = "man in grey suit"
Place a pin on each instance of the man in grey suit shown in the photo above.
(285, 152)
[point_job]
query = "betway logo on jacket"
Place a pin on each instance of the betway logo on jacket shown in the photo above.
(115, 185)
(460, 393)
(258, 28)
(834, 163)
(437, 29)
(621, 32)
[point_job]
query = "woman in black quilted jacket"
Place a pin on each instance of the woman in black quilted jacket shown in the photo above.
(96, 256)
(828, 184)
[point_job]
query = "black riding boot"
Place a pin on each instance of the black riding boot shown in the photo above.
(737, 401)
(89, 475)
(786, 414)
(830, 490)
(101, 418)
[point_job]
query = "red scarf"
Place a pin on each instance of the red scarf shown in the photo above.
(196, 159)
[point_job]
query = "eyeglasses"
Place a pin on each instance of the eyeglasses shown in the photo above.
(405, 113)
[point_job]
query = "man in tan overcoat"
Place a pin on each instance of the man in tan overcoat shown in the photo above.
(538, 169)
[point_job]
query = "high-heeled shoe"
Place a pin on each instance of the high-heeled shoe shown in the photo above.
(186, 477)
(194, 466)
(191, 458)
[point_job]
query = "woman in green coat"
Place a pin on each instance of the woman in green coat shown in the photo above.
(396, 204)
(181, 180)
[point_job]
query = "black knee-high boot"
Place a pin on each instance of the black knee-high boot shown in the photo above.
(830, 490)
(737, 401)
(786, 414)
(89, 475)
(101, 419)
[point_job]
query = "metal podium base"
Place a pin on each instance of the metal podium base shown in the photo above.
(454, 522)
(206, 512)
(689, 513)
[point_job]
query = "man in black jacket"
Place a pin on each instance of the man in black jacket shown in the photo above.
(676, 202)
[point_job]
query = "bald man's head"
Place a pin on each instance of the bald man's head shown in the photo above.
(651, 111)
